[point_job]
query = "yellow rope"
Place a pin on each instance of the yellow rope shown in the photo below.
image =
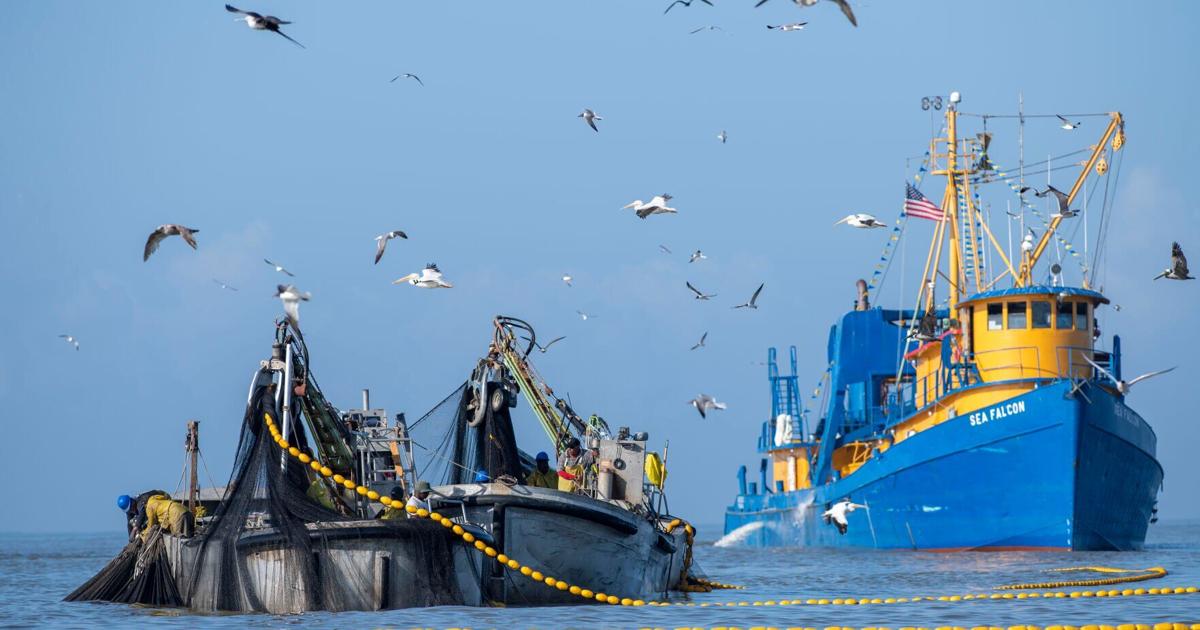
(1152, 573)
(533, 574)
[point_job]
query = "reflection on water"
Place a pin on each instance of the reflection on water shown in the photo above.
(36, 571)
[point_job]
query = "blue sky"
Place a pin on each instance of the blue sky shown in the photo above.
(119, 116)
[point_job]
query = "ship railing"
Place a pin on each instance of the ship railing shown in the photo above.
(1023, 367)
(1072, 361)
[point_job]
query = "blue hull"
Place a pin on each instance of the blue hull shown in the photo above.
(1043, 470)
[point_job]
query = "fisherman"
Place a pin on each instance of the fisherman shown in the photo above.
(573, 463)
(420, 498)
(541, 476)
(170, 515)
(135, 511)
(837, 514)
(390, 513)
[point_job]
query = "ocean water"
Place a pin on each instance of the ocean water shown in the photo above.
(37, 570)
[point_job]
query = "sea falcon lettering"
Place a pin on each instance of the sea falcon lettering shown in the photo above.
(996, 413)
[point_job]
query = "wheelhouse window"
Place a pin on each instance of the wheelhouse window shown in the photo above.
(1016, 315)
(1081, 316)
(996, 317)
(1041, 314)
(1063, 315)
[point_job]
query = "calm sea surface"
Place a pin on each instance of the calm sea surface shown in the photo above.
(37, 570)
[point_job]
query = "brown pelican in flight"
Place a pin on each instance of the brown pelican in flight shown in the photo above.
(163, 231)
(1179, 268)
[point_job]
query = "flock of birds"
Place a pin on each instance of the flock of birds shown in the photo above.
(431, 277)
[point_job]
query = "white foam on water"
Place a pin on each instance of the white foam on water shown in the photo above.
(739, 535)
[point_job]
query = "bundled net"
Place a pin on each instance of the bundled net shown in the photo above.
(285, 539)
(457, 442)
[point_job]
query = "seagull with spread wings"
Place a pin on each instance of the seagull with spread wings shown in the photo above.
(546, 347)
(1123, 387)
(699, 294)
(590, 117)
(279, 268)
(753, 303)
(705, 403)
(700, 344)
(71, 340)
(844, 5)
(227, 287)
(408, 75)
(291, 298)
(1067, 124)
(260, 22)
(382, 241)
(686, 3)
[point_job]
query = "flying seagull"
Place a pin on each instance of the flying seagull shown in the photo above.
(722, 136)
(163, 231)
(1064, 209)
(407, 75)
(753, 303)
(567, 278)
(224, 286)
(71, 340)
(844, 5)
(1066, 124)
(705, 403)
(429, 278)
(699, 294)
(584, 316)
(664, 249)
(1179, 268)
(837, 514)
(794, 26)
(291, 298)
(686, 3)
(699, 255)
(657, 205)
(382, 241)
(278, 267)
(861, 220)
(590, 117)
(700, 344)
(1123, 387)
(705, 28)
(545, 347)
(260, 22)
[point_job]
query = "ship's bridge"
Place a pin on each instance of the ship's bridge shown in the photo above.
(1031, 332)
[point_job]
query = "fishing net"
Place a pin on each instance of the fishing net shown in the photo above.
(285, 538)
(454, 451)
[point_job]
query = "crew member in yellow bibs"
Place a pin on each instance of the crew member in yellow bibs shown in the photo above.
(572, 464)
(169, 515)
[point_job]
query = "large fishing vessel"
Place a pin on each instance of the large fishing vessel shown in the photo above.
(992, 420)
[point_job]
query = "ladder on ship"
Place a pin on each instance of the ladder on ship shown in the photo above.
(785, 391)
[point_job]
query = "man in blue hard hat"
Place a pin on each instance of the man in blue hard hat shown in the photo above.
(135, 510)
(542, 476)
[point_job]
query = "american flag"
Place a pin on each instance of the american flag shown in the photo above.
(916, 205)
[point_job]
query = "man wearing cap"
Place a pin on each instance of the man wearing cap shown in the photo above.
(420, 497)
(572, 464)
(541, 476)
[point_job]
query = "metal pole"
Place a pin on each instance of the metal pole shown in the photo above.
(287, 399)
(193, 449)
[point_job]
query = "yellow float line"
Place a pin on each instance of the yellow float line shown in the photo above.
(529, 572)
(1152, 573)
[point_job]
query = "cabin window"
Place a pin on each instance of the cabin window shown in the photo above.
(1041, 314)
(995, 316)
(1062, 319)
(1016, 315)
(1081, 316)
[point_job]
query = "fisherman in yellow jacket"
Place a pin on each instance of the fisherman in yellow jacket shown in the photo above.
(542, 476)
(170, 515)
